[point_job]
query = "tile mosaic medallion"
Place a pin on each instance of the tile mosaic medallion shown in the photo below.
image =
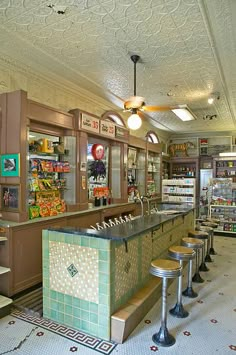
(69, 271)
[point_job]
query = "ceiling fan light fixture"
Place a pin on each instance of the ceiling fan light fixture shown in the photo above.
(134, 121)
(210, 100)
(213, 96)
(184, 113)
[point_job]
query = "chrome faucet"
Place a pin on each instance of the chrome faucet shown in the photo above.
(137, 198)
(148, 203)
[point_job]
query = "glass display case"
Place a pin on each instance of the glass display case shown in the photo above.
(153, 174)
(223, 204)
(165, 167)
(51, 174)
(98, 172)
(136, 171)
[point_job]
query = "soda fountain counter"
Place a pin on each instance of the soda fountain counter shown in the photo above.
(99, 281)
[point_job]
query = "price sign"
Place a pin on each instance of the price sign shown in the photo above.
(121, 133)
(107, 128)
(90, 123)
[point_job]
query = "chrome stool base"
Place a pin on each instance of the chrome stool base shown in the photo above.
(197, 278)
(180, 253)
(163, 337)
(189, 292)
(213, 223)
(165, 269)
(203, 267)
(208, 259)
(179, 311)
(212, 251)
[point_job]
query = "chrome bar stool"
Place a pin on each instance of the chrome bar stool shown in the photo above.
(189, 292)
(200, 234)
(212, 224)
(180, 253)
(196, 245)
(165, 269)
(210, 231)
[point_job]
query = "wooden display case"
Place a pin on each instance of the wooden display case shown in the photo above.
(144, 168)
(154, 173)
(165, 166)
(136, 167)
(51, 178)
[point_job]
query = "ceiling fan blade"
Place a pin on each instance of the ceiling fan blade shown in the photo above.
(156, 108)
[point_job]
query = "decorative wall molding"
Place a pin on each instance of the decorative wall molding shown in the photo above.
(49, 91)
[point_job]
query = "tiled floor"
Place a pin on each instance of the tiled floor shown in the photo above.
(209, 329)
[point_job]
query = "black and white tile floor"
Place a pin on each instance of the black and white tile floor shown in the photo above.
(209, 329)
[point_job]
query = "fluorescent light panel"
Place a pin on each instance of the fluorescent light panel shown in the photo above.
(227, 154)
(184, 113)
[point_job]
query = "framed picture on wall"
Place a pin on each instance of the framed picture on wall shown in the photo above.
(10, 165)
(10, 197)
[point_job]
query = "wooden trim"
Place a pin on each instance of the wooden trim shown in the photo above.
(41, 113)
(137, 142)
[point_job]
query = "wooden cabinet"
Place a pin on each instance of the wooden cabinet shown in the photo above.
(5, 302)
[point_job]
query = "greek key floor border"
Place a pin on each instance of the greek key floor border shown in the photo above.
(100, 345)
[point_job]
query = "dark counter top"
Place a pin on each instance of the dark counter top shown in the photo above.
(130, 229)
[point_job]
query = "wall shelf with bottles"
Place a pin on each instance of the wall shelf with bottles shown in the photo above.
(184, 168)
(179, 190)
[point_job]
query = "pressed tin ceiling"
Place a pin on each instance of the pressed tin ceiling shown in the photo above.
(187, 50)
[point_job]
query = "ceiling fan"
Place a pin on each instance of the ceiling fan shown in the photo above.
(136, 103)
